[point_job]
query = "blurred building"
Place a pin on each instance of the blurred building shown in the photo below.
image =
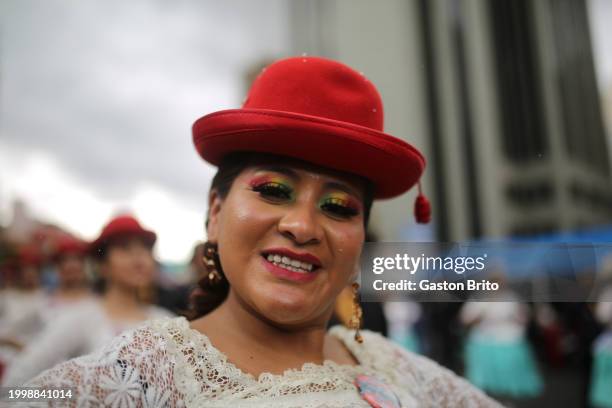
(501, 96)
(22, 224)
(24, 229)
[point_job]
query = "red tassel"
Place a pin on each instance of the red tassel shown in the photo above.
(422, 208)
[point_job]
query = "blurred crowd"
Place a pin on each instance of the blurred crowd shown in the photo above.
(62, 297)
(525, 354)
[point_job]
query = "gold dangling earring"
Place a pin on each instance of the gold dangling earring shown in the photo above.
(210, 255)
(357, 317)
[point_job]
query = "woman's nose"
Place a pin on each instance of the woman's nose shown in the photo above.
(141, 256)
(300, 224)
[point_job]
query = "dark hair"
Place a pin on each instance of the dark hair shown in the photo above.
(207, 296)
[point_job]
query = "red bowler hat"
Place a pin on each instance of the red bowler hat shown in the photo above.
(321, 111)
(119, 227)
(69, 245)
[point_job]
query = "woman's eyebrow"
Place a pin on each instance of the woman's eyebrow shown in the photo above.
(282, 170)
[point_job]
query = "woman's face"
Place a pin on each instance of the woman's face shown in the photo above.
(290, 237)
(71, 270)
(129, 263)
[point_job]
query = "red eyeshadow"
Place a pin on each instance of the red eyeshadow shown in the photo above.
(258, 180)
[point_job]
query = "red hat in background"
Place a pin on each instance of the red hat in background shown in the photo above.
(69, 245)
(120, 227)
(321, 111)
(30, 255)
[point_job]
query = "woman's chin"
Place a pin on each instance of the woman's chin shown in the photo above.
(138, 285)
(285, 306)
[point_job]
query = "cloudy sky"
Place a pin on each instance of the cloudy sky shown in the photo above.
(97, 99)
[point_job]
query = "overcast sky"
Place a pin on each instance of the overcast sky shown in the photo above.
(97, 101)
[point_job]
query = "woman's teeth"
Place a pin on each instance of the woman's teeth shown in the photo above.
(288, 263)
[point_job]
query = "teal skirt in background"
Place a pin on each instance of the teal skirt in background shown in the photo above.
(409, 341)
(502, 368)
(600, 393)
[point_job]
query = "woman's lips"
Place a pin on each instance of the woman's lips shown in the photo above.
(304, 256)
(286, 274)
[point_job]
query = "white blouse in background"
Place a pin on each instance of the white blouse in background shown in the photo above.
(21, 319)
(166, 363)
(501, 321)
(77, 331)
(603, 313)
(401, 317)
(20, 314)
(603, 309)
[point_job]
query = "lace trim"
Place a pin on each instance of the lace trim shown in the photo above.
(202, 372)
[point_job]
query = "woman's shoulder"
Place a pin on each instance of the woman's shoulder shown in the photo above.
(134, 366)
(149, 336)
(425, 378)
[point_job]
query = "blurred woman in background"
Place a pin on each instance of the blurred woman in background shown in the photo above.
(498, 357)
(123, 253)
(21, 303)
(73, 287)
(402, 318)
(29, 310)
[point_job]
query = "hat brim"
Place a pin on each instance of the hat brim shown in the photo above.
(148, 236)
(393, 165)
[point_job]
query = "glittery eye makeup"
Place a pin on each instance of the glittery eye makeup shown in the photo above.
(272, 187)
(340, 204)
(277, 189)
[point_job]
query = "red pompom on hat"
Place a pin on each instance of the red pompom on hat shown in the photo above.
(69, 245)
(422, 208)
(321, 111)
(120, 227)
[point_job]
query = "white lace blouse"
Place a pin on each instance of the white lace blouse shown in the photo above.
(166, 363)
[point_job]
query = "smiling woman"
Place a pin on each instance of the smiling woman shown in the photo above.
(299, 166)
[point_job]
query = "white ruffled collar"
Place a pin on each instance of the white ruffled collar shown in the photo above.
(328, 366)
(203, 373)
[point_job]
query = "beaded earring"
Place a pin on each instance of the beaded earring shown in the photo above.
(357, 317)
(210, 260)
